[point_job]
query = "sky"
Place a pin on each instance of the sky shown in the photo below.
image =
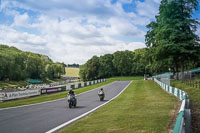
(72, 31)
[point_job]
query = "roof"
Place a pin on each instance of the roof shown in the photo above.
(34, 81)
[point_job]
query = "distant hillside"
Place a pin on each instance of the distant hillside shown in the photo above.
(72, 72)
(17, 65)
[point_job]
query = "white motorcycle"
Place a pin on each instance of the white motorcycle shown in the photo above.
(101, 95)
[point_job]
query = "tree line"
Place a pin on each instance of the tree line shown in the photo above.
(172, 45)
(73, 65)
(121, 63)
(19, 65)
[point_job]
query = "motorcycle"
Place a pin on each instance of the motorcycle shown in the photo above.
(72, 100)
(101, 95)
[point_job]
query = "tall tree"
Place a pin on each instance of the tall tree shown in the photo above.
(172, 35)
(106, 68)
(90, 69)
(123, 61)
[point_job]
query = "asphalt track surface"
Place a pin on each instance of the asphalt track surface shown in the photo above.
(41, 118)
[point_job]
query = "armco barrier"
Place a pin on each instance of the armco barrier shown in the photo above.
(183, 121)
(19, 94)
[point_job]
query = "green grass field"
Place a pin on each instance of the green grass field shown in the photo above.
(194, 96)
(72, 72)
(142, 108)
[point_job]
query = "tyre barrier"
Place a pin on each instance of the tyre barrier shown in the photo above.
(183, 120)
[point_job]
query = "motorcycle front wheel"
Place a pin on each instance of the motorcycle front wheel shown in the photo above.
(70, 104)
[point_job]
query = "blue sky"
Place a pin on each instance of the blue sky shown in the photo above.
(72, 31)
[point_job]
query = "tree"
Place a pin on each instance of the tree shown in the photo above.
(123, 61)
(172, 35)
(89, 71)
(106, 68)
(18, 65)
(83, 72)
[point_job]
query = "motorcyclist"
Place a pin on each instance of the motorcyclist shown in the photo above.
(101, 94)
(101, 91)
(71, 92)
(71, 98)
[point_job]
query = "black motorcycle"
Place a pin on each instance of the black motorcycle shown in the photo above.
(72, 100)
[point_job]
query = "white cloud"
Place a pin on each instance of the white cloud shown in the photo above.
(22, 40)
(61, 48)
(21, 20)
(71, 53)
(148, 8)
(72, 33)
(68, 8)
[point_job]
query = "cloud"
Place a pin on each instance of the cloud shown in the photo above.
(22, 40)
(61, 49)
(100, 8)
(74, 31)
(21, 20)
(70, 53)
(148, 8)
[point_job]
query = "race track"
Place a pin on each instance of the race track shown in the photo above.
(41, 118)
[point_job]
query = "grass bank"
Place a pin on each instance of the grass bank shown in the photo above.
(194, 96)
(142, 107)
(6, 84)
(49, 97)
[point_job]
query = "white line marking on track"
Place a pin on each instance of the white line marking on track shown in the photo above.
(83, 115)
(52, 100)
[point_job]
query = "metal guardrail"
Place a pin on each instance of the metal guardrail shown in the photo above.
(183, 121)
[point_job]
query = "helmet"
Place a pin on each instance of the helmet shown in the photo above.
(70, 89)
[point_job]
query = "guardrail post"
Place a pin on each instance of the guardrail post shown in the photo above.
(187, 103)
(187, 115)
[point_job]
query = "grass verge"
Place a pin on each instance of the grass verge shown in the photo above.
(6, 84)
(142, 107)
(194, 96)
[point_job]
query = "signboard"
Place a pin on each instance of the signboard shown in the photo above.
(53, 90)
(19, 94)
